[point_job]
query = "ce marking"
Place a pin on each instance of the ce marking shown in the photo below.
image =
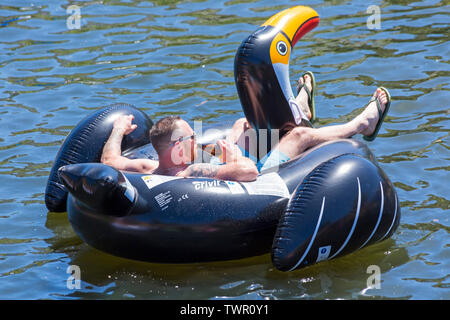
(183, 197)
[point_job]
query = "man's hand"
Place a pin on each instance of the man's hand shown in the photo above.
(112, 153)
(124, 124)
(229, 151)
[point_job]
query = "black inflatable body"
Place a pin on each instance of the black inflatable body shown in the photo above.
(329, 201)
(85, 144)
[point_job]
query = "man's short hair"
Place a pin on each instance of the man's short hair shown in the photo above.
(161, 132)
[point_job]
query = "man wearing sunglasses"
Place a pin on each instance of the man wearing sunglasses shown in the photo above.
(174, 141)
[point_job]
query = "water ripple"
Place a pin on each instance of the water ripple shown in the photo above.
(176, 57)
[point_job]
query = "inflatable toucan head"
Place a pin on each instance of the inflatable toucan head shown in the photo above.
(261, 70)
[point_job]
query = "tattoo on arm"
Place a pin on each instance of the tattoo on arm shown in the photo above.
(206, 170)
(113, 145)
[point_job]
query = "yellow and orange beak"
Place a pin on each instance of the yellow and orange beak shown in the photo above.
(290, 25)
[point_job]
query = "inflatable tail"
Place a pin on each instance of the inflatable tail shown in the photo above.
(261, 70)
(343, 205)
(100, 187)
(80, 146)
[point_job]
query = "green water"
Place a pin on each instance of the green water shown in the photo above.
(176, 57)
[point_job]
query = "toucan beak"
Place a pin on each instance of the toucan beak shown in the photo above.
(294, 22)
(288, 27)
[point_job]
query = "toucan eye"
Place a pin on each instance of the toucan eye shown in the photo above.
(282, 48)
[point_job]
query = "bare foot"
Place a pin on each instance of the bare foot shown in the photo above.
(370, 116)
(302, 98)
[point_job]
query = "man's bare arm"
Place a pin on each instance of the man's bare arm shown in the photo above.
(237, 167)
(236, 171)
(112, 153)
(206, 170)
(112, 148)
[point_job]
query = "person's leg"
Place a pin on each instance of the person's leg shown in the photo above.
(301, 138)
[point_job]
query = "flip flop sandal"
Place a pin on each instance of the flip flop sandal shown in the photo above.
(311, 94)
(381, 114)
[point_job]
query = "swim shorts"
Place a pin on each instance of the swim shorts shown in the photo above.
(272, 159)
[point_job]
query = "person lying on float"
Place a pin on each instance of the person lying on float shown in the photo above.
(174, 140)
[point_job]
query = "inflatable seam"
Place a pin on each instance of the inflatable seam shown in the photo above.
(297, 205)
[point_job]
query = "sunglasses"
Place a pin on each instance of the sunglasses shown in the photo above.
(172, 143)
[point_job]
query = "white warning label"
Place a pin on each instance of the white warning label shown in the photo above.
(163, 199)
(153, 180)
(270, 184)
(235, 187)
(323, 253)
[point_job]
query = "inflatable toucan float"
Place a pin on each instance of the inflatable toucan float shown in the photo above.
(329, 201)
